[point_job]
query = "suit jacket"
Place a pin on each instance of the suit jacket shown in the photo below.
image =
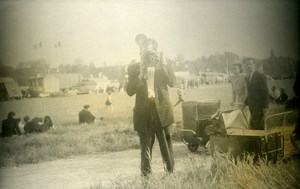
(163, 78)
(86, 116)
(34, 125)
(258, 92)
(10, 127)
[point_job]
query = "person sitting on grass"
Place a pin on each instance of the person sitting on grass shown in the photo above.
(34, 125)
(47, 124)
(85, 116)
(10, 126)
(37, 124)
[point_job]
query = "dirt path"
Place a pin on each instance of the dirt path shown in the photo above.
(85, 171)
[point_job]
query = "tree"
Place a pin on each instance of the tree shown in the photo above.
(6, 71)
(27, 69)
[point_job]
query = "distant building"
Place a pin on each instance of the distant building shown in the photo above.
(54, 82)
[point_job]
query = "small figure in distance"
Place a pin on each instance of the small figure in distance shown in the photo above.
(85, 116)
(180, 94)
(108, 102)
(10, 126)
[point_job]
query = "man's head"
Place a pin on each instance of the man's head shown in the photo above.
(141, 39)
(11, 114)
(237, 68)
(26, 119)
(86, 106)
(249, 65)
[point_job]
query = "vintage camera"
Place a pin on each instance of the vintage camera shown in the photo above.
(151, 58)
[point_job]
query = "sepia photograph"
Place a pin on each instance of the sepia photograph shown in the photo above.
(151, 94)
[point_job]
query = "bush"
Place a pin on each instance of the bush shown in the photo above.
(33, 93)
(57, 94)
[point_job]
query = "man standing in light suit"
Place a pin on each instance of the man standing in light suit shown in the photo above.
(258, 95)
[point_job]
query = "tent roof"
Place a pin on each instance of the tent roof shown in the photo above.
(6, 79)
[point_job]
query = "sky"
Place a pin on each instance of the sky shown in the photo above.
(105, 31)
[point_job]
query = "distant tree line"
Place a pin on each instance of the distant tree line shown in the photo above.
(275, 67)
(39, 68)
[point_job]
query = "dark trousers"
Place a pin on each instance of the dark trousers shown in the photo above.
(257, 119)
(147, 140)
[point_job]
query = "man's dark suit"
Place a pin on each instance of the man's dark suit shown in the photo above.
(152, 116)
(86, 116)
(10, 127)
(257, 99)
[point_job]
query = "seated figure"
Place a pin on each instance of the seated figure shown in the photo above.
(37, 124)
(10, 126)
(85, 116)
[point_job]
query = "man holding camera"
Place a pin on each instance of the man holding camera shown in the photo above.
(153, 111)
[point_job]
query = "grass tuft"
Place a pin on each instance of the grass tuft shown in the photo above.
(222, 172)
(67, 140)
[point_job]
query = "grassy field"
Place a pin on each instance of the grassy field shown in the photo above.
(70, 138)
(116, 133)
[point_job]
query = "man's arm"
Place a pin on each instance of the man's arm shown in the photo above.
(134, 78)
(264, 91)
(133, 84)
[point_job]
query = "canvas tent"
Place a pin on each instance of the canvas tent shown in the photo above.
(9, 89)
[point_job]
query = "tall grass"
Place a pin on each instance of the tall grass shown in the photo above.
(64, 142)
(221, 173)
